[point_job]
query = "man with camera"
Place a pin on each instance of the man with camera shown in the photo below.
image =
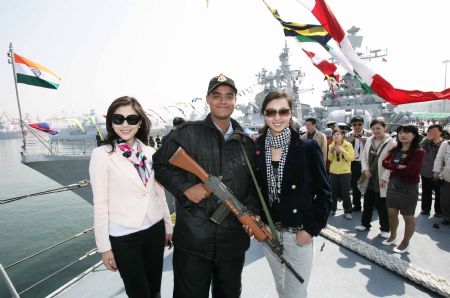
(357, 137)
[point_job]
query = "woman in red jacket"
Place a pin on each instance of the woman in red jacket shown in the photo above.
(404, 162)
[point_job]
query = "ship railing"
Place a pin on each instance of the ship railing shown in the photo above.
(79, 184)
(57, 146)
(74, 146)
(9, 284)
(3, 273)
(47, 144)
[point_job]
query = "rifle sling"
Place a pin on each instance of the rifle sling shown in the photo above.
(263, 203)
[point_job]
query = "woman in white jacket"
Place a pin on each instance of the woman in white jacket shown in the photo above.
(131, 218)
(441, 170)
(374, 186)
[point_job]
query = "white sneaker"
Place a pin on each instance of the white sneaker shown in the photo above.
(348, 216)
(384, 235)
(360, 228)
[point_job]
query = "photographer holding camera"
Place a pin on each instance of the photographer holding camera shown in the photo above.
(357, 137)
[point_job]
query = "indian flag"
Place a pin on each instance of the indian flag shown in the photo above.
(32, 73)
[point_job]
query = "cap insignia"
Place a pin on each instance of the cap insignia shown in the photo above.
(221, 78)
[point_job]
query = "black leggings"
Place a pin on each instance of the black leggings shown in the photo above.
(139, 258)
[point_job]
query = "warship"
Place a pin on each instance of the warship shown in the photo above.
(71, 148)
(66, 161)
(339, 103)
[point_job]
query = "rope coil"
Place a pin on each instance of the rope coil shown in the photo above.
(412, 272)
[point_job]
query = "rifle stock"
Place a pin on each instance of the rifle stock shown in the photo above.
(257, 227)
(182, 160)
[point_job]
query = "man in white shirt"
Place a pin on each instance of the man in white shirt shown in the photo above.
(357, 137)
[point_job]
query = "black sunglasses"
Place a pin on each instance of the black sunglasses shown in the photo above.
(119, 119)
(282, 112)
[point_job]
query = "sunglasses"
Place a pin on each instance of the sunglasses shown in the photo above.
(357, 124)
(119, 119)
(282, 112)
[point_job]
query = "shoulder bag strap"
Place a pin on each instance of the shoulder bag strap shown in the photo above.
(378, 156)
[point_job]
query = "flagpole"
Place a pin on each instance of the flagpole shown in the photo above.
(445, 81)
(11, 55)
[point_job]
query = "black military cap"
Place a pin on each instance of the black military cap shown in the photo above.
(220, 80)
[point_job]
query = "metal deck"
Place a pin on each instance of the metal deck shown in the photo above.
(337, 271)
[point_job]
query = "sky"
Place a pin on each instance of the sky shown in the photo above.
(165, 52)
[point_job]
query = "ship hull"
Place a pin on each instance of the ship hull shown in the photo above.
(63, 169)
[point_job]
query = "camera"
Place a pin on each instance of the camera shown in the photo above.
(358, 135)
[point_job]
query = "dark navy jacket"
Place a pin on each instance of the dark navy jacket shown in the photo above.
(305, 197)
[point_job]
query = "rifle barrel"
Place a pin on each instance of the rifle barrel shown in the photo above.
(279, 253)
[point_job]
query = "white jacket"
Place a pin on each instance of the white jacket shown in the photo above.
(442, 161)
(121, 197)
(383, 174)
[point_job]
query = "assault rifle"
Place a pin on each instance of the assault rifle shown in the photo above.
(183, 161)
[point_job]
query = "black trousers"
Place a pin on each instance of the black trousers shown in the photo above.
(193, 276)
(340, 188)
(373, 199)
(356, 173)
(139, 258)
(427, 189)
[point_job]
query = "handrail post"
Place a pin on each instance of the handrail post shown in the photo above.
(8, 282)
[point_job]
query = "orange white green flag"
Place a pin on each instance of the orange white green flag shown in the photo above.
(31, 73)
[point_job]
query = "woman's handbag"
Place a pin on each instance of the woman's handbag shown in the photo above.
(363, 182)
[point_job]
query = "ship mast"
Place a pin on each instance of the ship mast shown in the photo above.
(12, 62)
(285, 79)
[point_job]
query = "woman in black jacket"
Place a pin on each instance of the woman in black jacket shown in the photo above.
(293, 179)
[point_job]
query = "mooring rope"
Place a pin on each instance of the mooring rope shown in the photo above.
(80, 184)
(416, 274)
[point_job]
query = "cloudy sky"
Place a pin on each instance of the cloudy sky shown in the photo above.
(164, 52)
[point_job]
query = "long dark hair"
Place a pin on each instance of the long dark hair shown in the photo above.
(144, 127)
(415, 141)
(277, 95)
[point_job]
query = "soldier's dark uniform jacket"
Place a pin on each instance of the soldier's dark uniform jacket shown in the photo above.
(194, 231)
